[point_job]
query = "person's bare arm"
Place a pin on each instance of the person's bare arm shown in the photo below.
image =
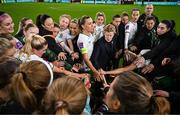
(90, 65)
(70, 44)
(121, 70)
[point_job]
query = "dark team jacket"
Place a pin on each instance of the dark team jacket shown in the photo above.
(165, 40)
(173, 52)
(103, 53)
(146, 39)
(52, 45)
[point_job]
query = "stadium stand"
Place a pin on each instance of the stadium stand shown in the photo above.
(155, 2)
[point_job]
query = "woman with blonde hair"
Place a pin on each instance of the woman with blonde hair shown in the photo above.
(66, 95)
(7, 27)
(34, 48)
(100, 21)
(6, 47)
(22, 23)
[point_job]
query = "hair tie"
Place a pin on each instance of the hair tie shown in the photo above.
(60, 104)
(152, 104)
(24, 75)
(152, 99)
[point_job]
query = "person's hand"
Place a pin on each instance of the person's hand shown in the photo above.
(87, 81)
(147, 69)
(130, 56)
(133, 48)
(161, 93)
(102, 72)
(165, 61)
(106, 85)
(118, 53)
(126, 54)
(62, 56)
(61, 69)
(76, 67)
(58, 63)
(139, 61)
(97, 76)
(75, 55)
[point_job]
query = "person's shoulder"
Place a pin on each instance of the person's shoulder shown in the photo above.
(65, 31)
(171, 35)
(127, 26)
(132, 23)
(48, 37)
(35, 57)
(82, 37)
(100, 41)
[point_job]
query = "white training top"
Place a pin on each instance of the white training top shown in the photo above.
(86, 44)
(98, 32)
(130, 31)
(62, 36)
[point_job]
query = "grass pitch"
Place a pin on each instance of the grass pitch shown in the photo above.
(31, 10)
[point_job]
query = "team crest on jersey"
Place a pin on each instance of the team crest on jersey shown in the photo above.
(81, 45)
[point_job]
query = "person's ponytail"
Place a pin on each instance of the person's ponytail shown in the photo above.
(22, 94)
(61, 108)
(162, 106)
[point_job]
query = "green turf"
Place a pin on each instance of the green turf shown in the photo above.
(19, 10)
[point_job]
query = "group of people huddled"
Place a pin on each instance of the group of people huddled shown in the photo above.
(81, 66)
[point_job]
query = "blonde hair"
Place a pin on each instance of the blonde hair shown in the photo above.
(35, 41)
(101, 14)
(31, 79)
(3, 15)
(110, 28)
(65, 16)
(5, 45)
(67, 95)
